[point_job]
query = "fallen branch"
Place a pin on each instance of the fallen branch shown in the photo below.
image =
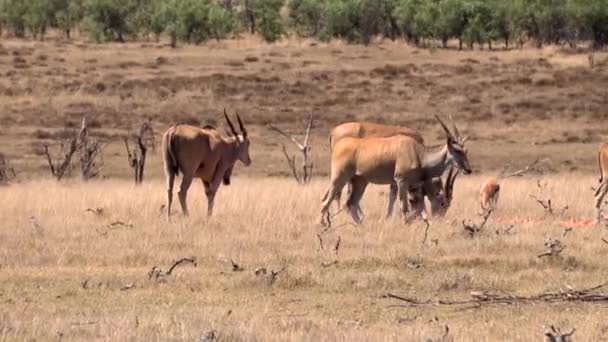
(489, 297)
(271, 276)
(473, 229)
(236, 267)
(553, 248)
(157, 274)
(556, 335)
(529, 168)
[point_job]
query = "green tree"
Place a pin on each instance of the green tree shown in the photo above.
(268, 18)
(107, 20)
(12, 14)
(307, 16)
(590, 20)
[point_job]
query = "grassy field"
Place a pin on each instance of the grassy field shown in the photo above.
(515, 105)
(70, 273)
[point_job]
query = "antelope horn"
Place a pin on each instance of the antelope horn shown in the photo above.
(241, 126)
(230, 124)
(445, 128)
(454, 127)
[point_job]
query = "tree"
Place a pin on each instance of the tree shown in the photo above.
(108, 20)
(267, 14)
(12, 13)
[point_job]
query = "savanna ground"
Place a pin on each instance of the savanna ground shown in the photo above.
(67, 273)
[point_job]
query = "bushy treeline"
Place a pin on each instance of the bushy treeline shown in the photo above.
(482, 22)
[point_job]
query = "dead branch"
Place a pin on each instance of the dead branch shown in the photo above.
(236, 267)
(566, 231)
(291, 161)
(321, 242)
(605, 241)
(91, 157)
(337, 246)
(426, 231)
(157, 274)
(553, 247)
(327, 264)
(472, 229)
(271, 276)
(489, 297)
(7, 172)
(556, 335)
(137, 156)
(304, 148)
(529, 168)
(99, 211)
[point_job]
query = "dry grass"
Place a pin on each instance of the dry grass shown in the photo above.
(515, 105)
(45, 261)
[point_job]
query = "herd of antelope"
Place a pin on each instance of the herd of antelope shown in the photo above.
(361, 153)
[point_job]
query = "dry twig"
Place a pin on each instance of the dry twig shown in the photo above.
(553, 248)
(304, 148)
(472, 229)
(157, 274)
(137, 156)
(7, 172)
(556, 335)
(489, 297)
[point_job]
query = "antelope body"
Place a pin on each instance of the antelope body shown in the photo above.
(201, 153)
(398, 159)
(364, 129)
(488, 194)
(602, 161)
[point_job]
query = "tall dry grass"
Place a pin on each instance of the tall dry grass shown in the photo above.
(64, 272)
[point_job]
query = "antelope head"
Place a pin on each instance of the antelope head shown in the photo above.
(457, 153)
(241, 140)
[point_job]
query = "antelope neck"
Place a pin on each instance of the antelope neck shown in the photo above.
(436, 159)
(232, 145)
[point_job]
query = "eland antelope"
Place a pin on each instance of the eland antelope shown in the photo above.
(364, 129)
(602, 189)
(488, 194)
(202, 153)
(398, 159)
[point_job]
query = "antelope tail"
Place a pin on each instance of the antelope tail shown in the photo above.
(169, 154)
(330, 148)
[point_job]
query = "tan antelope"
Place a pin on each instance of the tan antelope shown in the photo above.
(202, 153)
(364, 129)
(602, 189)
(398, 159)
(488, 194)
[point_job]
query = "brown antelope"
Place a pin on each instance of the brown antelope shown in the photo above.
(602, 189)
(363, 129)
(202, 153)
(397, 159)
(488, 194)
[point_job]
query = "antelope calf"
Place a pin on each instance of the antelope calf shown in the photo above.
(488, 194)
(602, 189)
(398, 159)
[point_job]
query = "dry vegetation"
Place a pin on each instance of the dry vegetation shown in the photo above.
(517, 104)
(83, 274)
(75, 257)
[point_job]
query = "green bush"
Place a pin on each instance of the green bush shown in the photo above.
(472, 21)
(108, 20)
(12, 14)
(268, 17)
(307, 16)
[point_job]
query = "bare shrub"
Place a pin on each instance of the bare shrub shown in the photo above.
(137, 155)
